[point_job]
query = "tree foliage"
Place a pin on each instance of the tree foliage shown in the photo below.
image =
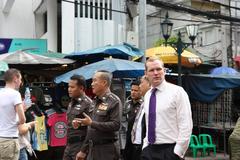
(162, 41)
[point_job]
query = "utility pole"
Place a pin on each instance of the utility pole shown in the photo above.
(236, 41)
(142, 26)
(225, 37)
(230, 47)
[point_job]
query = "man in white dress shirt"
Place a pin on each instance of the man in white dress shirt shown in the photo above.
(138, 131)
(168, 116)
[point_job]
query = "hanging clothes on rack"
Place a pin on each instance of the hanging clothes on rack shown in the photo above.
(39, 136)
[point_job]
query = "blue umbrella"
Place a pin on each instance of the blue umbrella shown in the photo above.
(223, 71)
(122, 51)
(120, 69)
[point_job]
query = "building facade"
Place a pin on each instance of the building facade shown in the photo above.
(68, 25)
(214, 41)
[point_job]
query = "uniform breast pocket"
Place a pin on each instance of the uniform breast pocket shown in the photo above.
(101, 113)
(77, 113)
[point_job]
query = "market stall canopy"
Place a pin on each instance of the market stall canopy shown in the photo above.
(3, 66)
(206, 87)
(122, 51)
(52, 54)
(120, 69)
(21, 57)
(170, 56)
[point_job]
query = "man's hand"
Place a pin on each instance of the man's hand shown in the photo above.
(81, 156)
(31, 124)
(76, 123)
(87, 121)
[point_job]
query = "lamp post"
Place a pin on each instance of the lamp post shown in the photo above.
(179, 46)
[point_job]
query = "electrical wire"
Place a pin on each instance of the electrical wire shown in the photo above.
(196, 21)
(221, 4)
(193, 11)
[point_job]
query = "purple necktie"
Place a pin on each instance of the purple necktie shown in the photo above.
(152, 117)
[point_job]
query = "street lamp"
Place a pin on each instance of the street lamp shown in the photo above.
(179, 46)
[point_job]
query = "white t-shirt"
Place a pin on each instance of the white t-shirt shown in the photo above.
(9, 98)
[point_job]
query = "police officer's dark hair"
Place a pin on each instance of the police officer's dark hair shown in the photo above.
(10, 74)
(80, 80)
(135, 83)
(106, 75)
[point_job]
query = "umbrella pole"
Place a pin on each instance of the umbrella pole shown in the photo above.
(224, 136)
(224, 128)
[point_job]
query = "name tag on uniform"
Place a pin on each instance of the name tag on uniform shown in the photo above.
(103, 106)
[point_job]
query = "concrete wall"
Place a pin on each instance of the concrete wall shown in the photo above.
(68, 27)
(51, 34)
(24, 20)
(46, 26)
(19, 21)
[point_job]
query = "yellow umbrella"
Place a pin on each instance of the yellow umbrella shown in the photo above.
(169, 56)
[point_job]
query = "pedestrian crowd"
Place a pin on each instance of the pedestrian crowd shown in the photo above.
(156, 115)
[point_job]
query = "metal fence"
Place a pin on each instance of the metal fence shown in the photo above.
(217, 114)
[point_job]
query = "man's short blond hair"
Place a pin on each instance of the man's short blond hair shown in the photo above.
(151, 59)
(10, 74)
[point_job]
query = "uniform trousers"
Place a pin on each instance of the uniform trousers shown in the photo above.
(159, 152)
(109, 151)
(71, 150)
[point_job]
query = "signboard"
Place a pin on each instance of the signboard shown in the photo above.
(37, 46)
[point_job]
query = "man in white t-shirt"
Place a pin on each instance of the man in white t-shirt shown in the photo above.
(10, 108)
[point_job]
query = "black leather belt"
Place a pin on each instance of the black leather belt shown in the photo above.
(9, 137)
(103, 141)
(164, 145)
(75, 139)
(137, 146)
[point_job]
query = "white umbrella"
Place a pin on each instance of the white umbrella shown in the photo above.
(21, 57)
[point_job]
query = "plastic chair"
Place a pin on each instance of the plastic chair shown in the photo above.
(195, 145)
(206, 141)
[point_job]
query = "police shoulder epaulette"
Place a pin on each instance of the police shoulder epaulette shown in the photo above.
(113, 96)
(79, 100)
(88, 99)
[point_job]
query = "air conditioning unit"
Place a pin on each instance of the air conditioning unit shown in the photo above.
(132, 38)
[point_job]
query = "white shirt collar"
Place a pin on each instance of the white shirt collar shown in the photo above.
(161, 86)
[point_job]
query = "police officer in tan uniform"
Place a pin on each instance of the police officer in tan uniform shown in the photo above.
(102, 138)
(79, 103)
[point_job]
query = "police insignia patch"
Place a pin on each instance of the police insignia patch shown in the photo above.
(103, 106)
